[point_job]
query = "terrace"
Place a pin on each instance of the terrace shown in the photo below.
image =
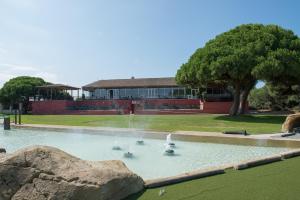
(55, 92)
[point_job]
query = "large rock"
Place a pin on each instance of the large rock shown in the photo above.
(2, 150)
(42, 172)
(291, 122)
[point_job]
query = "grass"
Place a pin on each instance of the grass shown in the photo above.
(254, 124)
(277, 181)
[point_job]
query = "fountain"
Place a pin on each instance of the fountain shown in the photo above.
(140, 141)
(169, 150)
(169, 145)
(169, 141)
(131, 115)
(128, 153)
(116, 146)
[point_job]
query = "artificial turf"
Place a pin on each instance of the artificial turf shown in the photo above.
(276, 181)
(254, 124)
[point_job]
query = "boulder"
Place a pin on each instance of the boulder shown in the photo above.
(291, 122)
(42, 172)
(2, 150)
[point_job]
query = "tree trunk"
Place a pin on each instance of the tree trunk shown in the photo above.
(244, 97)
(236, 100)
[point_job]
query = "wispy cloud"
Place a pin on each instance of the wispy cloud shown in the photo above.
(8, 71)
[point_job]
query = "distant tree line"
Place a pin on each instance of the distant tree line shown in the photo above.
(280, 98)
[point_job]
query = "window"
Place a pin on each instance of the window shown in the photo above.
(161, 92)
(143, 92)
(216, 90)
(99, 94)
(168, 92)
(132, 93)
(181, 92)
(152, 92)
(209, 91)
(122, 94)
(188, 91)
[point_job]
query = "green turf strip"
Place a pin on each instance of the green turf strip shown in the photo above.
(254, 124)
(276, 181)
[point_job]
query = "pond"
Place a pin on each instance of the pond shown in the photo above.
(149, 159)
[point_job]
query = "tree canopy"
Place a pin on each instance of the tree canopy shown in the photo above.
(242, 56)
(19, 89)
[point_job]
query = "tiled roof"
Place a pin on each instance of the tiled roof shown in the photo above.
(132, 83)
(58, 86)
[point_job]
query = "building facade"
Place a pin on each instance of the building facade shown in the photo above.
(150, 88)
(140, 96)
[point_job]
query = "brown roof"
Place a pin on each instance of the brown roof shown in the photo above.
(132, 83)
(58, 86)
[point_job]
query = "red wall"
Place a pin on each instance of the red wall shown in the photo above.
(61, 107)
(49, 107)
(100, 103)
(216, 107)
(172, 101)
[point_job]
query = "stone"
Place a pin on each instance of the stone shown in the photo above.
(264, 160)
(42, 172)
(290, 154)
(2, 150)
(257, 162)
(154, 183)
(240, 166)
(291, 121)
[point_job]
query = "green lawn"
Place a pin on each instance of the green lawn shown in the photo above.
(277, 181)
(254, 124)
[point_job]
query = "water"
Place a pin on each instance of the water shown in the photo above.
(149, 160)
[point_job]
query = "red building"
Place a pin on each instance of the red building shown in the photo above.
(140, 96)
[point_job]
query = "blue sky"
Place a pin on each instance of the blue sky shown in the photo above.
(80, 41)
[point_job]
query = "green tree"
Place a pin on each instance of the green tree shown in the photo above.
(275, 97)
(242, 56)
(19, 89)
(283, 97)
(259, 98)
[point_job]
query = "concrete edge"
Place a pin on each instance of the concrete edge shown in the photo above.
(258, 162)
(227, 139)
(64, 127)
(154, 183)
(182, 177)
(290, 154)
